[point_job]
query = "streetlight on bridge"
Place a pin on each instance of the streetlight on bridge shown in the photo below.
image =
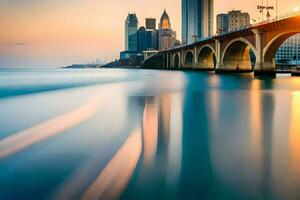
(262, 7)
(195, 37)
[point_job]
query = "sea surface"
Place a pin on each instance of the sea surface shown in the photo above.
(143, 134)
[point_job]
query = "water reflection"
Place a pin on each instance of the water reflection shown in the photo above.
(150, 132)
(175, 147)
(290, 177)
(114, 178)
(188, 136)
(159, 166)
(218, 144)
(294, 134)
(196, 173)
(21, 140)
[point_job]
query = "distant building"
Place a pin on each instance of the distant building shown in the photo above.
(166, 36)
(150, 23)
(152, 39)
(289, 52)
(237, 20)
(147, 39)
(222, 23)
(131, 26)
(197, 19)
(232, 21)
(142, 39)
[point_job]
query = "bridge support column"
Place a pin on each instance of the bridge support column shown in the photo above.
(262, 68)
(164, 65)
(218, 56)
(181, 59)
(195, 58)
(168, 61)
(171, 56)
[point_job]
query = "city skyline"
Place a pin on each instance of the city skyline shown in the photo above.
(53, 34)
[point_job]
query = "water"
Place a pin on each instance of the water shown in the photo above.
(129, 134)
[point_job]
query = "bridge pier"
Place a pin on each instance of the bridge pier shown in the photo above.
(181, 59)
(218, 56)
(262, 67)
(235, 58)
(265, 69)
(195, 58)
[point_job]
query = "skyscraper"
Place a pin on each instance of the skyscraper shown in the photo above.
(131, 26)
(166, 36)
(197, 19)
(147, 39)
(142, 39)
(222, 23)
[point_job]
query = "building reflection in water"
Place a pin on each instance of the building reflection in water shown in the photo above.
(267, 113)
(164, 105)
(280, 178)
(175, 147)
(219, 144)
(159, 167)
(241, 141)
(150, 132)
(197, 177)
(256, 120)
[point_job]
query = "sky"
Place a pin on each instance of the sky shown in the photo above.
(55, 33)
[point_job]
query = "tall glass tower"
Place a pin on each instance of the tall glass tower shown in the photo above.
(131, 26)
(197, 20)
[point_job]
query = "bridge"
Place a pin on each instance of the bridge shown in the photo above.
(249, 49)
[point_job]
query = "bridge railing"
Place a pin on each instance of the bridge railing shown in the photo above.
(278, 18)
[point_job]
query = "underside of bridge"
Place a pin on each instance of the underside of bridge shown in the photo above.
(237, 57)
(176, 61)
(206, 59)
(189, 60)
(270, 51)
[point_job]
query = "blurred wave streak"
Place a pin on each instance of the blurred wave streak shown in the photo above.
(115, 176)
(21, 140)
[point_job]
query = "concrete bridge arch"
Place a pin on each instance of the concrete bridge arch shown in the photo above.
(232, 50)
(270, 50)
(189, 60)
(236, 55)
(206, 58)
(176, 61)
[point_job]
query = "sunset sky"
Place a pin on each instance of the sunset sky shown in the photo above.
(54, 33)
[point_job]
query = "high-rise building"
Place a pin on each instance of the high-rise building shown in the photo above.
(142, 39)
(222, 23)
(150, 23)
(237, 20)
(152, 39)
(131, 26)
(166, 36)
(147, 39)
(197, 20)
(289, 52)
